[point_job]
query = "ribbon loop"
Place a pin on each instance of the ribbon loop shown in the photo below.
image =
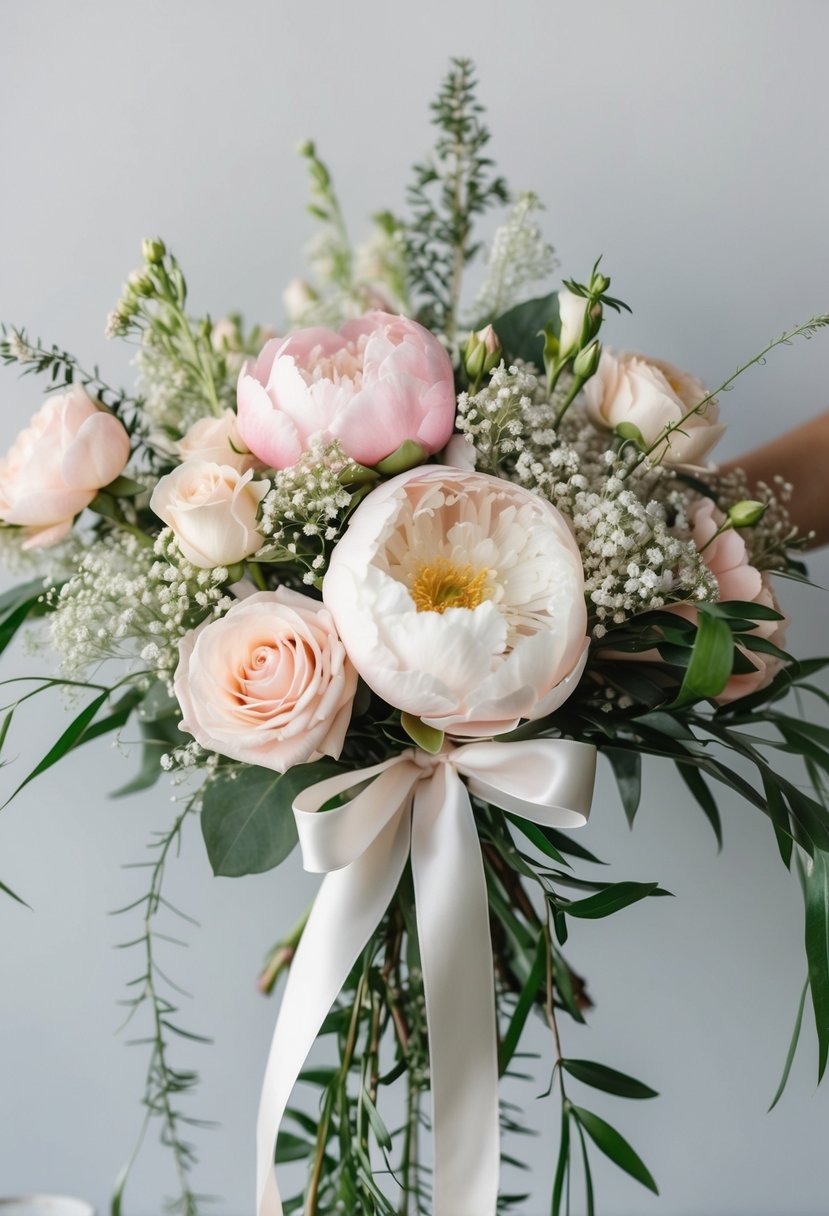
(418, 806)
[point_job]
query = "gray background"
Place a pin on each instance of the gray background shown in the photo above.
(685, 142)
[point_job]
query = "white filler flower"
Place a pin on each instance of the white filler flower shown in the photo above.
(460, 599)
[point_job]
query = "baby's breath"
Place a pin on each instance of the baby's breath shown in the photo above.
(129, 601)
(304, 512)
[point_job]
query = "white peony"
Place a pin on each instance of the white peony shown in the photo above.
(459, 598)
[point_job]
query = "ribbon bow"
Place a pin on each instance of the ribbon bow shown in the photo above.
(418, 805)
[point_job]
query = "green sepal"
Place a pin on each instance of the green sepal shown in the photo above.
(407, 456)
(424, 736)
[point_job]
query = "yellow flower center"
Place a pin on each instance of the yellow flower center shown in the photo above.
(442, 584)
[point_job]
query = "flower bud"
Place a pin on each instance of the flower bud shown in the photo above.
(746, 514)
(481, 354)
(153, 250)
(586, 361)
(297, 297)
(138, 284)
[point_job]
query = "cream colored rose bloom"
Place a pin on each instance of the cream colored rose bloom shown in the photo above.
(267, 684)
(218, 441)
(653, 395)
(212, 510)
(70, 450)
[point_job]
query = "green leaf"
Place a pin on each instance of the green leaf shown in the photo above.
(424, 736)
(8, 891)
(538, 837)
(627, 769)
(562, 1165)
(125, 487)
(565, 843)
(696, 783)
(711, 662)
(520, 329)
(292, 1148)
(787, 1067)
(70, 737)
(381, 1132)
(607, 1079)
(614, 1146)
(816, 893)
(523, 1006)
(615, 897)
(247, 818)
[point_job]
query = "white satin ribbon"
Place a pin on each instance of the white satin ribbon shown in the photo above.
(418, 805)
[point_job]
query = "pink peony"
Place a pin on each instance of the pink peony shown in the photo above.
(377, 382)
(70, 450)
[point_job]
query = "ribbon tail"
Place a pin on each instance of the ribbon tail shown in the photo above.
(350, 905)
(456, 956)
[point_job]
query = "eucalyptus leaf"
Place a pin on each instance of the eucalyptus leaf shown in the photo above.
(247, 818)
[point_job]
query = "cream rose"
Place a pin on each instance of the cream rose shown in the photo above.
(460, 599)
(70, 450)
(212, 510)
(267, 684)
(653, 395)
(218, 441)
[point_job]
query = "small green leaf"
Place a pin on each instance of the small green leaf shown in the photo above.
(614, 1146)
(607, 1079)
(631, 434)
(696, 783)
(712, 660)
(563, 1163)
(8, 891)
(787, 1067)
(627, 769)
(292, 1148)
(615, 897)
(538, 837)
(523, 1006)
(125, 487)
(816, 893)
(424, 736)
(381, 1132)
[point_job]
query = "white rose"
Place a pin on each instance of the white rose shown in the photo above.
(218, 441)
(212, 510)
(571, 310)
(653, 396)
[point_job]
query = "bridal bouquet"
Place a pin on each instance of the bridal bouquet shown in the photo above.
(385, 584)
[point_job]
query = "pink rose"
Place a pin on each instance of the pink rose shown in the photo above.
(460, 599)
(267, 684)
(55, 467)
(726, 557)
(378, 382)
(653, 395)
(218, 441)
